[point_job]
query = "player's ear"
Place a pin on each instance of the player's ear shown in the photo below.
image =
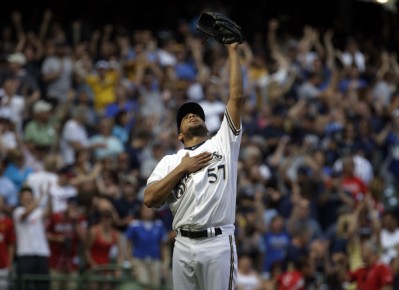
(180, 137)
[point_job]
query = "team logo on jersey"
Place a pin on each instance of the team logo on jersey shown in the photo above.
(216, 157)
(180, 188)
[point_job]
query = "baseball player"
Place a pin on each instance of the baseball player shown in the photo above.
(199, 185)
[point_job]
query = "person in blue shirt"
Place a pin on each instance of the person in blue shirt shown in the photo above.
(121, 128)
(7, 188)
(147, 238)
(16, 170)
(276, 241)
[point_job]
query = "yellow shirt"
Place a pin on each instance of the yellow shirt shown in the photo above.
(355, 258)
(103, 89)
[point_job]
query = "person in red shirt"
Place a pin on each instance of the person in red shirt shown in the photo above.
(374, 275)
(295, 279)
(102, 237)
(350, 182)
(65, 231)
(7, 244)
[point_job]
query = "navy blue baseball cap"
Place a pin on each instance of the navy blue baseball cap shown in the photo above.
(187, 108)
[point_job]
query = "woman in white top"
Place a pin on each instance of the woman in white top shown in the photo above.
(247, 277)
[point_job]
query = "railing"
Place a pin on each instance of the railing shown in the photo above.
(91, 279)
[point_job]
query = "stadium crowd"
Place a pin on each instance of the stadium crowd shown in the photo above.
(86, 115)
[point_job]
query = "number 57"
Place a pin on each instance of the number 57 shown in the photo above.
(213, 173)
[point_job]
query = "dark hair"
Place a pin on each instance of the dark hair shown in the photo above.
(393, 212)
(26, 188)
(118, 117)
(106, 214)
(301, 262)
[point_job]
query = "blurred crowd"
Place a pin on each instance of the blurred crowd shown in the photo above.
(85, 115)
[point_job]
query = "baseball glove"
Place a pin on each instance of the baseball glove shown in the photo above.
(220, 27)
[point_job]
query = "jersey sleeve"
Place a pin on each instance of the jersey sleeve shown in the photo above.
(228, 135)
(160, 170)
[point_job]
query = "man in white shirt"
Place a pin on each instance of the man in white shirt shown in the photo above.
(12, 106)
(75, 137)
(363, 167)
(61, 191)
(32, 250)
(213, 107)
(389, 236)
(43, 179)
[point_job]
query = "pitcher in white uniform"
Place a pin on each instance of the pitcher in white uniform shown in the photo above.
(199, 185)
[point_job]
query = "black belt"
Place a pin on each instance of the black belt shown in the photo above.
(201, 234)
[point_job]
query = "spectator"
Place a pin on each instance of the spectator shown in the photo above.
(108, 184)
(276, 240)
(83, 170)
(366, 146)
(353, 81)
(389, 236)
(28, 86)
(383, 88)
(247, 277)
(364, 225)
(295, 279)
(128, 205)
(213, 107)
(32, 250)
(158, 150)
(298, 248)
(40, 131)
(7, 244)
(13, 106)
(84, 100)
(374, 275)
(332, 201)
(350, 182)
(41, 180)
(389, 139)
(146, 238)
(101, 238)
(111, 146)
(123, 102)
(121, 127)
(352, 56)
(248, 231)
(123, 166)
(152, 107)
(66, 232)
(75, 136)
(16, 170)
(8, 190)
(9, 138)
(102, 81)
(57, 69)
(62, 190)
(300, 217)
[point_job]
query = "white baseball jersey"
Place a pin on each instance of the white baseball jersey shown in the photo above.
(206, 198)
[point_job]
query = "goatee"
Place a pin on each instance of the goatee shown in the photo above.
(197, 131)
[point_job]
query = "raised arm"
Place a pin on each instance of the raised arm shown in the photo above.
(235, 102)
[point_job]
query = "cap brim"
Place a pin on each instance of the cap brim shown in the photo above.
(187, 108)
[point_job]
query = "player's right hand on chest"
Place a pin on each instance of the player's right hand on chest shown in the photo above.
(195, 163)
